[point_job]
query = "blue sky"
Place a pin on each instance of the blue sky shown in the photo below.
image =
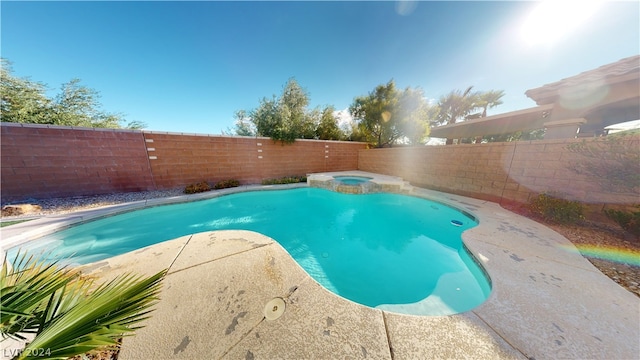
(188, 66)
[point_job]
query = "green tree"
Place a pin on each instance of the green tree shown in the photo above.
(456, 106)
(460, 105)
(285, 118)
(310, 123)
(387, 116)
(373, 113)
(292, 111)
(488, 100)
(78, 105)
(354, 132)
(67, 314)
(413, 113)
(24, 101)
(265, 118)
(243, 126)
(328, 128)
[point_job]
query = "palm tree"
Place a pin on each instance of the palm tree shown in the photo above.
(455, 106)
(66, 312)
(489, 99)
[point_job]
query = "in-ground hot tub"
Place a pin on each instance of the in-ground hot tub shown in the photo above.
(358, 182)
(352, 180)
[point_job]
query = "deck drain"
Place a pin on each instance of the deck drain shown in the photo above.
(274, 309)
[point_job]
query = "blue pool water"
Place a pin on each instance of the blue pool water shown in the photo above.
(391, 251)
(352, 180)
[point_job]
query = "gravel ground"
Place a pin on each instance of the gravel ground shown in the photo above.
(603, 236)
(70, 204)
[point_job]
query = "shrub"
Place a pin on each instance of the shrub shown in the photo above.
(556, 209)
(285, 180)
(226, 184)
(628, 220)
(197, 188)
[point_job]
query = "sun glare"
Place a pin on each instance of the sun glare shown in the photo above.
(552, 20)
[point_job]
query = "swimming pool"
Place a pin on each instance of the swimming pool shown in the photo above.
(390, 251)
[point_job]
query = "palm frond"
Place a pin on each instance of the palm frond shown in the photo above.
(68, 317)
(106, 314)
(24, 288)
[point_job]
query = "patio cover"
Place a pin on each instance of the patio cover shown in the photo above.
(627, 69)
(526, 119)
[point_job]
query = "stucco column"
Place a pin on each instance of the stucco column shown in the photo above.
(563, 129)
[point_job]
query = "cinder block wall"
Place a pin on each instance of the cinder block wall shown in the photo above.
(500, 172)
(40, 161)
(50, 161)
(177, 159)
(477, 171)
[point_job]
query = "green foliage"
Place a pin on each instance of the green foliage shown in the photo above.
(292, 108)
(613, 161)
(556, 209)
(287, 118)
(328, 128)
(266, 118)
(456, 106)
(413, 113)
(24, 101)
(488, 99)
(356, 134)
(465, 105)
(243, 126)
(628, 220)
(77, 105)
(285, 180)
(284, 118)
(226, 184)
(66, 312)
(387, 115)
(197, 188)
(525, 135)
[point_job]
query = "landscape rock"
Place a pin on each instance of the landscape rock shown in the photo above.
(20, 209)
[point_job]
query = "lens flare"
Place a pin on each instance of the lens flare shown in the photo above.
(406, 7)
(619, 255)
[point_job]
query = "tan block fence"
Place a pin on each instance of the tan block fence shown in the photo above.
(510, 172)
(44, 161)
(40, 161)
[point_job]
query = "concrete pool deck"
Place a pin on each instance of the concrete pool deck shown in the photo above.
(547, 301)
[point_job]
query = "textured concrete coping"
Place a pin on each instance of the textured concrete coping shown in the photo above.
(547, 302)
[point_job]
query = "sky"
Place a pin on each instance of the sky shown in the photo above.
(189, 66)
